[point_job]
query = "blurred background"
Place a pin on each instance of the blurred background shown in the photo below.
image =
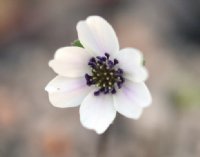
(167, 31)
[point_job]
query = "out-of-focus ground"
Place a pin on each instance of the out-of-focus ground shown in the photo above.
(168, 32)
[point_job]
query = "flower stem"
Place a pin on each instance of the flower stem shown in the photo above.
(103, 143)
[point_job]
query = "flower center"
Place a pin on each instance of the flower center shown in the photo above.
(105, 75)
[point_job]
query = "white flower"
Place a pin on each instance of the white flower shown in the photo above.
(100, 77)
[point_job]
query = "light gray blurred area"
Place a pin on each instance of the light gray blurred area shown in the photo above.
(168, 33)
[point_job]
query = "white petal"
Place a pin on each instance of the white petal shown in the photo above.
(136, 73)
(130, 55)
(70, 62)
(97, 35)
(130, 60)
(97, 112)
(131, 99)
(67, 92)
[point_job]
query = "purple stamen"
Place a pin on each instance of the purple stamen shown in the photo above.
(101, 90)
(113, 91)
(107, 55)
(103, 59)
(98, 57)
(110, 63)
(116, 61)
(89, 83)
(96, 93)
(92, 64)
(104, 75)
(92, 60)
(100, 62)
(119, 72)
(106, 90)
(87, 77)
(122, 79)
(119, 84)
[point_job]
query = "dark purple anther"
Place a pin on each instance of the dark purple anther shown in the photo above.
(89, 80)
(116, 61)
(122, 79)
(107, 55)
(119, 85)
(120, 71)
(110, 63)
(106, 90)
(99, 58)
(88, 83)
(96, 93)
(87, 77)
(113, 91)
(92, 64)
(92, 60)
(101, 90)
(100, 62)
(103, 59)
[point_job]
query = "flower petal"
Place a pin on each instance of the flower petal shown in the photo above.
(97, 112)
(131, 99)
(130, 60)
(67, 92)
(70, 62)
(97, 35)
(130, 55)
(136, 73)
